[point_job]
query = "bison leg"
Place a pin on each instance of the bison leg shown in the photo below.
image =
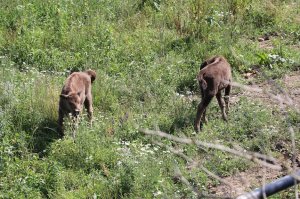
(222, 105)
(226, 97)
(88, 105)
(75, 122)
(203, 118)
(201, 109)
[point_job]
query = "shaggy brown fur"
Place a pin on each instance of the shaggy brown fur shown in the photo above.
(214, 76)
(76, 92)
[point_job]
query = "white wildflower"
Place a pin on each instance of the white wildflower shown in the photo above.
(157, 193)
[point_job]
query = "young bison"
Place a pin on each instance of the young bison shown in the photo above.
(76, 92)
(214, 76)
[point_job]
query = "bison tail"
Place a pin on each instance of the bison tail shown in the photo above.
(202, 81)
(203, 84)
(92, 74)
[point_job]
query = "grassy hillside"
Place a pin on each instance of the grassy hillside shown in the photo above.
(146, 54)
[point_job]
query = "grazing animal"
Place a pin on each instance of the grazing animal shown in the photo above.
(76, 92)
(214, 76)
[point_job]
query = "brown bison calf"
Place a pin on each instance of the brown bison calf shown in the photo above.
(76, 92)
(214, 76)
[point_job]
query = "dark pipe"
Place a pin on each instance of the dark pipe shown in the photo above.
(273, 187)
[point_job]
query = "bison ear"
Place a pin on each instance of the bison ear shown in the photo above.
(64, 96)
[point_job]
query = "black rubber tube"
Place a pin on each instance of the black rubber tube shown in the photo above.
(273, 187)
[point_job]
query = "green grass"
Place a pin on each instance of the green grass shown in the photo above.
(146, 56)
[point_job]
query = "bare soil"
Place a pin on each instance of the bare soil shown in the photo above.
(245, 181)
(285, 92)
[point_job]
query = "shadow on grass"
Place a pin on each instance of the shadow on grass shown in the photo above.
(43, 136)
(179, 122)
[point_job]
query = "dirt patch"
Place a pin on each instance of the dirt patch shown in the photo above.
(246, 181)
(292, 83)
(284, 93)
(266, 44)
